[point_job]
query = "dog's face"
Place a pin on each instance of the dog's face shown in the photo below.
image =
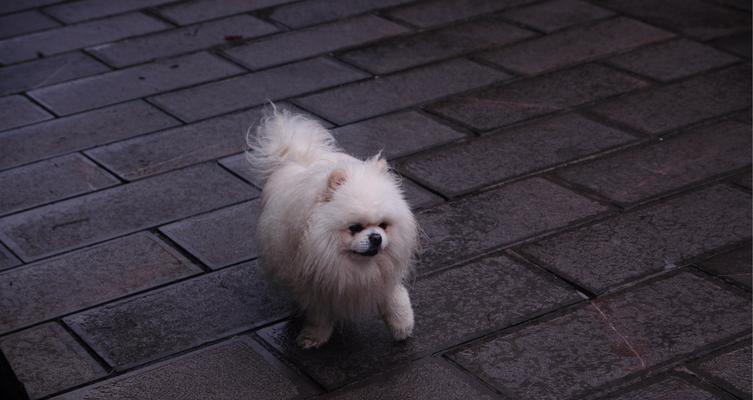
(367, 239)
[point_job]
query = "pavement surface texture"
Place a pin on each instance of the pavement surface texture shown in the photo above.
(581, 168)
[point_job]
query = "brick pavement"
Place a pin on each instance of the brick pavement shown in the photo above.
(581, 168)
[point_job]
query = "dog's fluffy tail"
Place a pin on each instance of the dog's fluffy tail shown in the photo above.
(283, 137)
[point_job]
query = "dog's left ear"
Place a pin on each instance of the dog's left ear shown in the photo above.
(335, 180)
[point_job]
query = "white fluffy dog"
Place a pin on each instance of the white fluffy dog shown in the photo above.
(334, 230)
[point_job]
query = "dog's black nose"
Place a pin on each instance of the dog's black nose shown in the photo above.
(375, 239)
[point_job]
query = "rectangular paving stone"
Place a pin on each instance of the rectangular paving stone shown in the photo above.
(730, 368)
(8, 6)
(49, 181)
(81, 10)
(450, 307)
(310, 12)
(576, 45)
(48, 71)
(183, 40)
(440, 12)
(647, 240)
(464, 167)
(77, 36)
(668, 388)
(7, 259)
(365, 99)
(234, 369)
(25, 22)
(470, 226)
(117, 211)
(180, 316)
(745, 180)
(46, 359)
(640, 173)
(422, 48)
(296, 45)
(256, 88)
(609, 338)
(131, 83)
(18, 111)
(190, 12)
(734, 265)
(84, 278)
(682, 103)
(556, 14)
(81, 131)
(219, 238)
(508, 103)
(672, 60)
(739, 44)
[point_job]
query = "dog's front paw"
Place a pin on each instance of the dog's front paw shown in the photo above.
(312, 337)
(401, 328)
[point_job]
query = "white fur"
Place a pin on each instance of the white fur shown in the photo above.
(303, 232)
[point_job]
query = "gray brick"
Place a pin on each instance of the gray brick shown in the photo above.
(183, 40)
(254, 89)
(576, 45)
(461, 168)
(391, 93)
(219, 238)
(505, 104)
(16, 5)
(180, 316)
(77, 36)
(74, 281)
(81, 10)
(80, 131)
(557, 14)
(234, 369)
(503, 292)
(744, 180)
(739, 44)
(7, 259)
(731, 369)
(471, 226)
(25, 22)
(280, 49)
(734, 265)
(47, 359)
(190, 12)
(310, 12)
(435, 45)
(641, 173)
(667, 389)
(439, 12)
(647, 240)
(682, 103)
(117, 211)
(49, 181)
(672, 60)
(609, 339)
(132, 83)
(48, 71)
(18, 111)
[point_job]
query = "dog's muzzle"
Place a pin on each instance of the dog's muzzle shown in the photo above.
(375, 241)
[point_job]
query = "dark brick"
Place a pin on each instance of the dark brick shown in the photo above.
(661, 167)
(132, 83)
(80, 131)
(609, 339)
(734, 265)
(428, 379)
(461, 168)
(312, 12)
(49, 181)
(672, 60)
(682, 103)
(435, 45)
(696, 18)
(177, 41)
(395, 135)
(82, 10)
(254, 89)
(451, 307)
(180, 316)
(505, 104)
(18, 111)
(47, 359)
(117, 211)
(648, 240)
(576, 45)
(219, 238)
(731, 369)
(7, 259)
(8, 6)
(77, 36)
(25, 22)
(557, 14)
(739, 44)
(668, 389)
(190, 12)
(390, 93)
(280, 49)
(418, 197)
(439, 12)
(473, 225)
(81, 279)
(48, 71)
(744, 180)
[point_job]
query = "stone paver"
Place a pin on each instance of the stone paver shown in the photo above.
(24, 22)
(734, 265)
(668, 389)
(48, 71)
(554, 15)
(439, 12)
(190, 12)
(81, 10)
(18, 111)
(731, 369)
(310, 12)
(7, 259)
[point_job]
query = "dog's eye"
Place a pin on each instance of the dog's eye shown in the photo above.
(355, 228)
(383, 225)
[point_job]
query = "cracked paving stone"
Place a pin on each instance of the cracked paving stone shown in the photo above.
(731, 369)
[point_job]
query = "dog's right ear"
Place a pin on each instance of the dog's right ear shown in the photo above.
(336, 178)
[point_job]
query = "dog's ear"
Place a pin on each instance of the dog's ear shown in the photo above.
(336, 178)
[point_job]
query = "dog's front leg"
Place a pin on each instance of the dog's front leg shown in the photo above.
(398, 313)
(316, 330)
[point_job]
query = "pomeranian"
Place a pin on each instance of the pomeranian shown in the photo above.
(335, 231)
